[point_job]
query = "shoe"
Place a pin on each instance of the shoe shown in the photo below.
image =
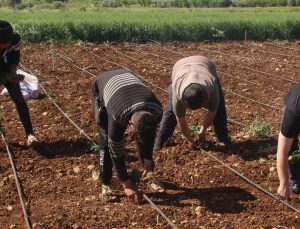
(107, 194)
(226, 143)
(31, 139)
(153, 183)
(295, 188)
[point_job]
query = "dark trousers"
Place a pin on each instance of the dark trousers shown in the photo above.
(168, 122)
(15, 93)
(294, 168)
(104, 159)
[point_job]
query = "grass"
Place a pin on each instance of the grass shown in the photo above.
(142, 24)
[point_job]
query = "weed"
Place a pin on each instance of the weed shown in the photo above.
(258, 128)
(294, 157)
(2, 130)
(195, 130)
(94, 146)
(135, 176)
(70, 113)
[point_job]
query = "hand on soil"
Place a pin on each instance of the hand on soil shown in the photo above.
(132, 192)
(284, 191)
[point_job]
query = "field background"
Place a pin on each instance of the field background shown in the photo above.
(90, 21)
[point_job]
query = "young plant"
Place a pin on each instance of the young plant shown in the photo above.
(94, 147)
(135, 176)
(195, 130)
(259, 128)
(294, 157)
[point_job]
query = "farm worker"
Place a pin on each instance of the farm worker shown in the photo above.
(10, 44)
(194, 85)
(121, 100)
(288, 143)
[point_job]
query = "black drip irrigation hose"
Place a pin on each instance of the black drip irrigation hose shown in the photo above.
(229, 120)
(18, 184)
(247, 180)
(268, 52)
(82, 132)
(251, 182)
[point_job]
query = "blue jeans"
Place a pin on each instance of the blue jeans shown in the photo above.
(168, 122)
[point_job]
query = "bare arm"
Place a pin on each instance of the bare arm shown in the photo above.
(284, 145)
(184, 128)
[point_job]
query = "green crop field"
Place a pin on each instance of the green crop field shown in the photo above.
(141, 24)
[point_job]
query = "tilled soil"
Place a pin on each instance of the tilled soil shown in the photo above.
(201, 193)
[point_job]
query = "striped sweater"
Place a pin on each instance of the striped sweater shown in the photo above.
(122, 94)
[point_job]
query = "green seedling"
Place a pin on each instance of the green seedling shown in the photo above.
(2, 130)
(94, 147)
(294, 157)
(258, 128)
(195, 130)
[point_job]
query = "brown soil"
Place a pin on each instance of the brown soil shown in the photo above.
(201, 193)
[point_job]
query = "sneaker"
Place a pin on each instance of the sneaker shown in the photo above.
(31, 139)
(295, 188)
(107, 194)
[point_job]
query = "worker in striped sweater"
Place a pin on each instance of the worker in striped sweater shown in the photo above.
(121, 100)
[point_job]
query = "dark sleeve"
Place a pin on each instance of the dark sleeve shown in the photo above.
(290, 124)
(116, 147)
(13, 56)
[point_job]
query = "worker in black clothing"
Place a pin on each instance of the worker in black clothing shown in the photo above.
(10, 44)
(289, 171)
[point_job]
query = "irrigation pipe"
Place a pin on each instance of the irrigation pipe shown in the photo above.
(251, 182)
(246, 58)
(242, 67)
(132, 58)
(230, 120)
(122, 66)
(244, 97)
(282, 46)
(82, 132)
(19, 188)
(268, 52)
(251, 82)
(158, 210)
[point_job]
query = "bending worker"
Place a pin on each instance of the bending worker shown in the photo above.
(194, 85)
(121, 100)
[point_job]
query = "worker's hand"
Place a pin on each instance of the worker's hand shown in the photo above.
(192, 144)
(284, 191)
(132, 192)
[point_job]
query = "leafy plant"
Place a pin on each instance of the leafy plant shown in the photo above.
(94, 147)
(294, 157)
(258, 128)
(135, 175)
(195, 130)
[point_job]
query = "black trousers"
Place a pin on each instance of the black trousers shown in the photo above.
(104, 158)
(294, 168)
(15, 93)
(168, 122)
